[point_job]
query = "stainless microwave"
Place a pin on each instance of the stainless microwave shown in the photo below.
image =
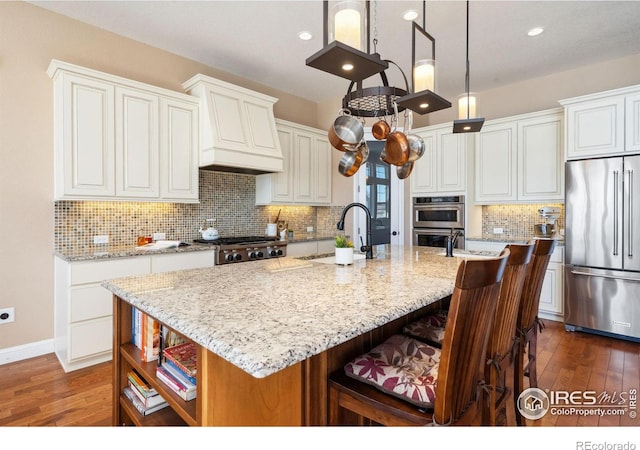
(439, 212)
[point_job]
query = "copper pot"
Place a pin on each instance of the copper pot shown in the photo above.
(380, 129)
(396, 149)
(350, 163)
(345, 133)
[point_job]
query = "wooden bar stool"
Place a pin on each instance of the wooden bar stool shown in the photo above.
(528, 323)
(498, 371)
(405, 382)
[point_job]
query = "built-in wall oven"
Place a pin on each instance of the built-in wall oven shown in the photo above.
(436, 218)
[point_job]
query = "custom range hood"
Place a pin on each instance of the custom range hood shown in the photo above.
(237, 128)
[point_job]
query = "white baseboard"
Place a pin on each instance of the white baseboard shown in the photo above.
(26, 351)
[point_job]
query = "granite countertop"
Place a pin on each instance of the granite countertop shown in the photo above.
(104, 252)
(286, 309)
(507, 239)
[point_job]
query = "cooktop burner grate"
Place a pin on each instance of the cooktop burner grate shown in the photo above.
(236, 240)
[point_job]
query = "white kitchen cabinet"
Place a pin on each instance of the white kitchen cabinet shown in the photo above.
(306, 178)
(603, 124)
(237, 127)
(178, 150)
(540, 158)
(520, 159)
(551, 295)
(118, 139)
(496, 163)
(137, 143)
(442, 169)
(632, 122)
(84, 123)
(83, 308)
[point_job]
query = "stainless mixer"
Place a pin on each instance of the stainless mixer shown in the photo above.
(548, 229)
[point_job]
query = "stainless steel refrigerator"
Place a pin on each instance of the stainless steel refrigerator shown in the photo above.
(602, 246)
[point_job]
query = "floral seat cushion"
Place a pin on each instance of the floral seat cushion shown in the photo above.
(429, 328)
(401, 366)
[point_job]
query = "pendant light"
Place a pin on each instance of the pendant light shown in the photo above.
(467, 102)
(423, 100)
(348, 29)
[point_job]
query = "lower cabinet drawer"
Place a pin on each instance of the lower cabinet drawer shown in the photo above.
(90, 337)
(182, 261)
(90, 302)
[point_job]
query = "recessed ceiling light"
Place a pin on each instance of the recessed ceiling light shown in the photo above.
(347, 67)
(535, 31)
(305, 35)
(410, 14)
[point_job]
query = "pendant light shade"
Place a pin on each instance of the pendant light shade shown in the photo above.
(467, 103)
(347, 55)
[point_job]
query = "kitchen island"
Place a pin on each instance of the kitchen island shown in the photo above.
(270, 332)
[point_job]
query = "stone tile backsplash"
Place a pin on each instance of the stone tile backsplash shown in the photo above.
(228, 198)
(516, 220)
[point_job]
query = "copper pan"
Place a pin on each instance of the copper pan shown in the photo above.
(380, 129)
(396, 149)
(350, 163)
(346, 132)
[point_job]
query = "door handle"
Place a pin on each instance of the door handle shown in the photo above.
(613, 277)
(616, 175)
(630, 213)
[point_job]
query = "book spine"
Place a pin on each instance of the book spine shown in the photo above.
(171, 383)
(174, 368)
(137, 393)
(142, 385)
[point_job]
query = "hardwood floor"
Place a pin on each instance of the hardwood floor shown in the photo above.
(37, 392)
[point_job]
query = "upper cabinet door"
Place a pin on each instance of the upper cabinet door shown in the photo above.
(178, 149)
(632, 127)
(451, 161)
(423, 176)
(323, 169)
(84, 137)
(137, 151)
(595, 127)
(496, 165)
(540, 158)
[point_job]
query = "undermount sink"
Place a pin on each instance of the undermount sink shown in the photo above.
(332, 259)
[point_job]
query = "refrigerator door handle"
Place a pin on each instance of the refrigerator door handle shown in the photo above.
(616, 182)
(600, 275)
(630, 214)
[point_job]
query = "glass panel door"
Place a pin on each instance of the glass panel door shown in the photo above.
(378, 193)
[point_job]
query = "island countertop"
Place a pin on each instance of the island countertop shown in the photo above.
(265, 316)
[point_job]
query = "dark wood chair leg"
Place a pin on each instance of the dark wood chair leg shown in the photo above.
(518, 378)
(532, 338)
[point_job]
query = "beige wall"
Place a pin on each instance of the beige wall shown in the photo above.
(30, 37)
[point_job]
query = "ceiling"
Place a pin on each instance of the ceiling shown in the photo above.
(258, 40)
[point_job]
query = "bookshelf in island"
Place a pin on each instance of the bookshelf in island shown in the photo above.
(266, 347)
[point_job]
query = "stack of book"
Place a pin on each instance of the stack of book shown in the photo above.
(145, 399)
(177, 369)
(145, 334)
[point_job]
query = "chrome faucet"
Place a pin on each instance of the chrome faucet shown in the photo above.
(367, 248)
(451, 241)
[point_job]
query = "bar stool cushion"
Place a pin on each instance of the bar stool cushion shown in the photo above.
(428, 328)
(401, 366)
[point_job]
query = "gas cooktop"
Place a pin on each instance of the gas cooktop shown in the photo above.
(245, 248)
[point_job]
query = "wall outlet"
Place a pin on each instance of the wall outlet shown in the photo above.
(7, 315)
(498, 231)
(159, 236)
(309, 229)
(101, 239)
